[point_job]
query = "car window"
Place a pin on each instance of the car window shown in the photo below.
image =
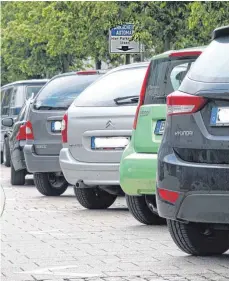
(165, 77)
(17, 100)
(2, 95)
(13, 97)
(61, 91)
(213, 64)
(32, 90)
(21, 115)
(6, 101)
(114, 85)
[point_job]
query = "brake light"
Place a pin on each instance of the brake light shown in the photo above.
(141, 97)
(168, 195)
(87, 72)
(64, 128)
(21, 135)
(181, 103)
(29, 131)
(186, 54)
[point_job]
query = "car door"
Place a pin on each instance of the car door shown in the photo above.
(5, 110)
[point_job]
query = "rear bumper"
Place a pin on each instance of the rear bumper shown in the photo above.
(203, 191)
(89, 173)
(138, 172)
(40, 163)
(197, 207)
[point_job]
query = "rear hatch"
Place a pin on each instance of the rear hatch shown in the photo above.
(200, 127)
(49, 107)
(165, 76)
(100, 120)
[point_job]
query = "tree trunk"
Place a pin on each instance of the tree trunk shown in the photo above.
(65, 63)
(98, 64)
(167, 43)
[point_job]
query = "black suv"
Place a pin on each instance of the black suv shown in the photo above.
(193, 160)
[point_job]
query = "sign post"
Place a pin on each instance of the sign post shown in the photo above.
(120, 39)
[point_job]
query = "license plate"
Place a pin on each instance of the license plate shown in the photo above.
(56, 126)
(109, 143)
(160, 127)
(219, 116)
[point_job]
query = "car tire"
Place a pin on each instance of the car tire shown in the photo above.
(17, 177)
(1, 157)
(6, 153)
(94, 198)
(140, 210)
(193, 239)
(46, 186)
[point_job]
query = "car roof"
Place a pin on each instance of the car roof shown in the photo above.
(170, 52)
(81, 72)
(220, 32)
(129, 66)
(31, 81)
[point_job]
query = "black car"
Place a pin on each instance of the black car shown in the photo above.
(17, 138)
(193, 160)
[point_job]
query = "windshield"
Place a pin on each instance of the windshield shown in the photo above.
(61, 91)
(213, 64)
(165, 77)
(108, 90)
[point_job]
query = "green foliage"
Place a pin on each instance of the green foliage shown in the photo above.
(43, 38)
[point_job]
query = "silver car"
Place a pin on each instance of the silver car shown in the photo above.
(95, 130)
(43, 130)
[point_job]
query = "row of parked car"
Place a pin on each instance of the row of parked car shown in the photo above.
(101, 133)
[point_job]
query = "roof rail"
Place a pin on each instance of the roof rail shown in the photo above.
(220, 32)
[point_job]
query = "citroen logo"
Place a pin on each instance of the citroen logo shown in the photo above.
(109, 124)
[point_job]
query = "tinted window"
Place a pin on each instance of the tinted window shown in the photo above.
(213, 64)
(114, 85)
(165, 77)
(2, 95)
(32, 90)
(61, 91)
(22, 113)
(6, 101)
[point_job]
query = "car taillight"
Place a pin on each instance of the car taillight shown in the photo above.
(142, 97)
(64, 128)
(181, 103)
(29, 131)
(21, 135)
(168, 195)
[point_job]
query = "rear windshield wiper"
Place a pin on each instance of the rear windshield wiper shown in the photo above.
(127, 100)
(48, 107)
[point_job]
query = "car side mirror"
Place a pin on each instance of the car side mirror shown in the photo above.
(7, 122)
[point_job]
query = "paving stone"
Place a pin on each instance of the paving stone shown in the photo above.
(55, 239)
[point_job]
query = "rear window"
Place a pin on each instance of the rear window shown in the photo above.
(165, 77)
(213, 64)
(116, 85)
(32, 90)
(61, 91)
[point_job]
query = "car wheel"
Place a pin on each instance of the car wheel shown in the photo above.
(6, 153)
(140, 210)
(198, 239)
(17, 177)
(1, 157)
(94, 198)
(50, 184)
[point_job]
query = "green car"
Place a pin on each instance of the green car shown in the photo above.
(139, 161)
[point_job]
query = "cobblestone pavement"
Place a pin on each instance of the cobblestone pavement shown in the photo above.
(56, 239)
